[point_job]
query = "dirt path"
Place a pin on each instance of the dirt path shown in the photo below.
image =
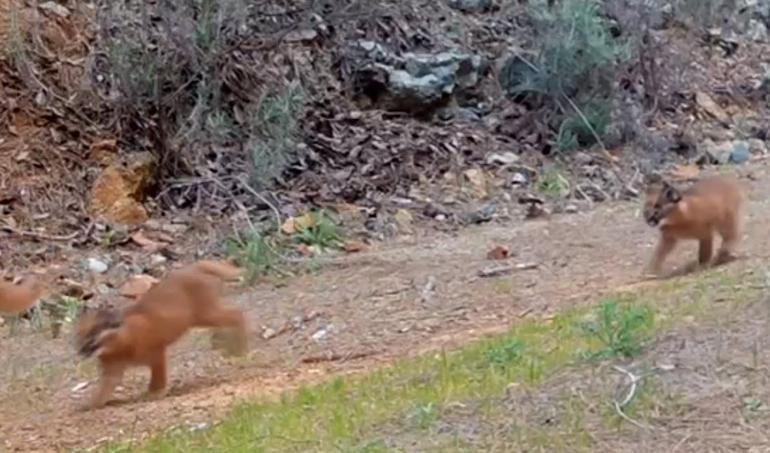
(413, 296)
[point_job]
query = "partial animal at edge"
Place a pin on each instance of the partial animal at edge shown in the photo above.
(140, 334)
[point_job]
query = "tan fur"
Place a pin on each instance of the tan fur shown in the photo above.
(17, 298)
(711, 206)
(141, 334)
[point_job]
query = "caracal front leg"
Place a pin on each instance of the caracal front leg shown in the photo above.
(665, 246)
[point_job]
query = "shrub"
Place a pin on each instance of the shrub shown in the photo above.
(177, 79)
(573, 69)
(619, 328)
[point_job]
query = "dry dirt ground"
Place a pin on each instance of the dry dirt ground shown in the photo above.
(413, 295)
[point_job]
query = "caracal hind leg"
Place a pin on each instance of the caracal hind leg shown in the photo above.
(159, 376)
(730, 236)
(705, 250)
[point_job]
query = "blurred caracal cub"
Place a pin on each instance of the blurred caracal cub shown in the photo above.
(16, 298)
(712, 205)
(140, 334)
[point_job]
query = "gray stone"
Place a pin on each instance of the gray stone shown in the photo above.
(740, 152)
(410, 93)
(503, 159)
(757, 146)
(96, 266)
(415, 82)
(724, 152)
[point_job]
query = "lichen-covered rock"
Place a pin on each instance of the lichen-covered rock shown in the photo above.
(412, 82)
(117, 193)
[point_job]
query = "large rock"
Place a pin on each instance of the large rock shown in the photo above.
(117, 193)
(413, 82)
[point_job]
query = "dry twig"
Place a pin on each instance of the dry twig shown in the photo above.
(619, 405)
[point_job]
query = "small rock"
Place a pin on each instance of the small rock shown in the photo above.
(96, 266)
(715, 153)
(440, 217)
(571, 209)
(55, 8)
(268, 333)
(433, 209)
(118, 191)
(322, 333)
(484, 214)
(519, 179)
(708, 105)
(158, 260)
(301, 35)
(354, 246)
(504, 159)
(740, 153)
(427, 291)
(757, 146)
(477, 180)
(404, 220)
(757, 31)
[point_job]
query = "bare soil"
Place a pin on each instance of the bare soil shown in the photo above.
(415, 294)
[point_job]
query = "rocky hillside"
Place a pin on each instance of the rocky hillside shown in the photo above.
(450, 112)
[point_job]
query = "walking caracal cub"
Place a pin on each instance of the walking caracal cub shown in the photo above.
(140, 334)
(712, 205)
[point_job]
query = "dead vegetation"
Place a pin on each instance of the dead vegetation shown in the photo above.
(281, 98)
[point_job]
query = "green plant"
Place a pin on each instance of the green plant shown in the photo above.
(15, 45)
(65, 311)
(578, 131)
(254, 252)
(509, 351)
(619, 328)
(275, 133)
(423, 415)
(320, 231)
(576, 53)
(573, 68)
(177, 70)
(553, 184)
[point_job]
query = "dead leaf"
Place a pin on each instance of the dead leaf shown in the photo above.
(288, 226)
(294, 224)
(478, 181)
(499, 252)
(103, 151)
(353, 246)
(304, 250)
(684, 172)
(147, 244)
(137, 285)
(708, 105)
